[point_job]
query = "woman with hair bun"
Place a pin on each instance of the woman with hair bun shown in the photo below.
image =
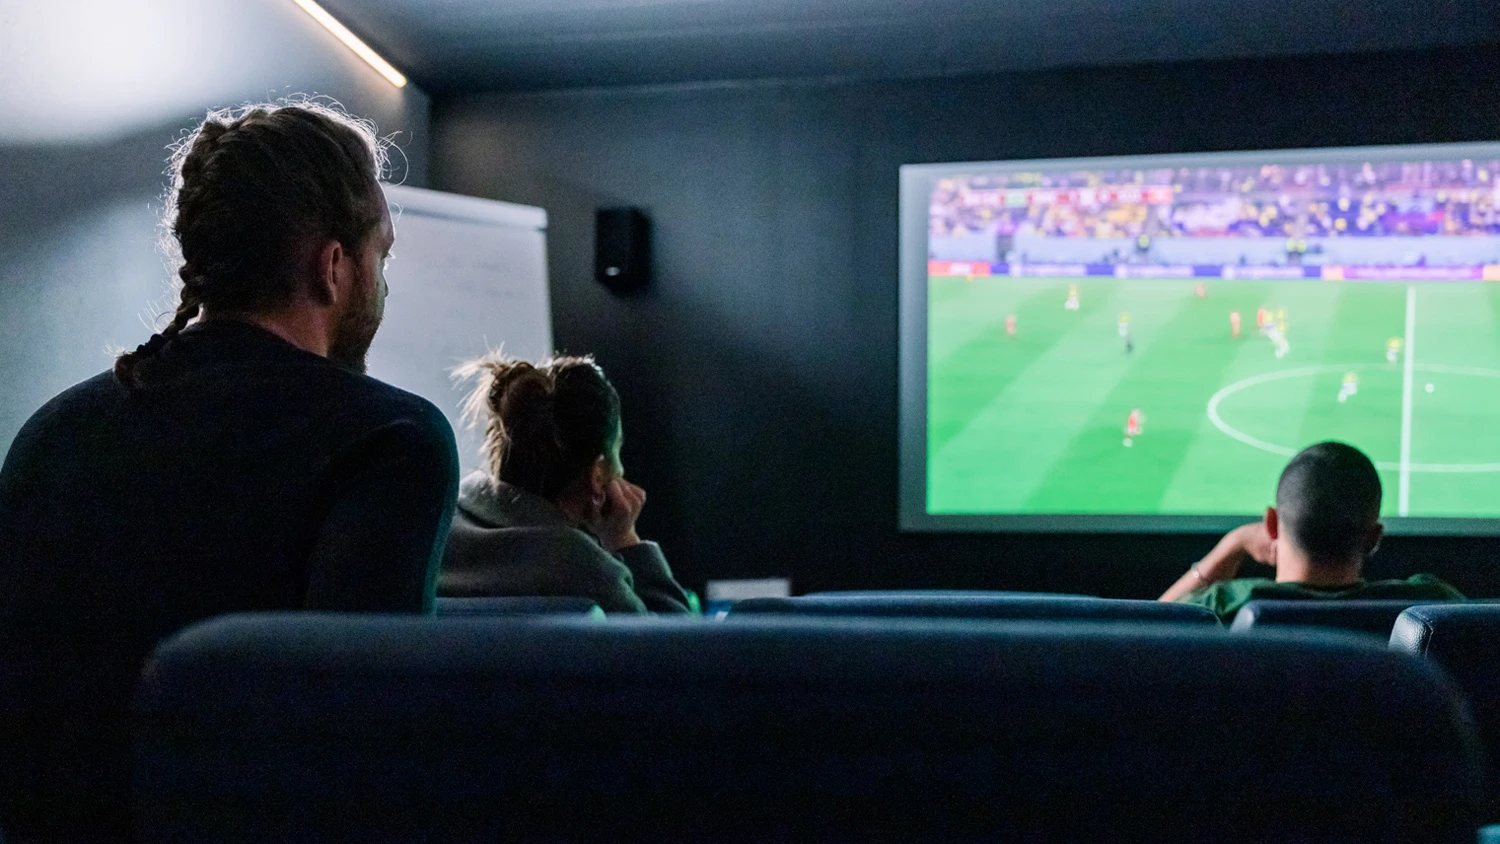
(553, 513)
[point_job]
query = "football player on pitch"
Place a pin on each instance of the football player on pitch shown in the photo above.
(1275, 331)
(1393, 349)
(1072, 303)
(1349, 387)
(1133, 426)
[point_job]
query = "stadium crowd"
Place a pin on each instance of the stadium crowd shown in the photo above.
(1372, 200)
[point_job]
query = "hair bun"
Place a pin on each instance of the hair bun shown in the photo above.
(523, 399)
(546, 425)
(211, 131)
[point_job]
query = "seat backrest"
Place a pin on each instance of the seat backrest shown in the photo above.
(1464, 639)
(539, 605)
(1371, 618)
(941, 593)
(299, 728)
(978, 605)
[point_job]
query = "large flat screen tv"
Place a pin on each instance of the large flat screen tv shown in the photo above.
(1139, 344)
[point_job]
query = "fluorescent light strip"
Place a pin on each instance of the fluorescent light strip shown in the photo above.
(352, 41)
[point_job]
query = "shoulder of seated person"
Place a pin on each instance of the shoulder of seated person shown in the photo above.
(557, 534)
(81, 398)
(292, 374)
(1432, 581)
(1249, 583)
(566, 551)
(498, 506)
(263, 349)
(386, 400)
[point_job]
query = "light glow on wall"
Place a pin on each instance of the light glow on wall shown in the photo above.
(352, 41)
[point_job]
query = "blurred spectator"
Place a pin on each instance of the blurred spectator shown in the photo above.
(1326, 522)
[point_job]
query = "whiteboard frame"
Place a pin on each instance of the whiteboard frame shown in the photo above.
(453, 206)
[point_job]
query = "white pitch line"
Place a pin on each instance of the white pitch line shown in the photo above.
(1404, 497)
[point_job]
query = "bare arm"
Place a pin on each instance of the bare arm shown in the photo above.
(1249, 542)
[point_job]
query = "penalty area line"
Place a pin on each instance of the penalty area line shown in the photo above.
(1403, 500)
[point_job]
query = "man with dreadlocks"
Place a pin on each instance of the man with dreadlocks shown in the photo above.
(238, 460)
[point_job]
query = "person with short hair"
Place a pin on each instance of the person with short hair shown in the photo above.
(552, 515)
(1324, 526)
(238, 460)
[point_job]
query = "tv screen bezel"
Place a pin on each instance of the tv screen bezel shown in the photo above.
(916, 182)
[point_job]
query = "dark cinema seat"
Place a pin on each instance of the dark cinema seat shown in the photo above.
(960, 593)
(307, 727)
(1374, 618)
(977, 605)
(505, 606)
(1464, 640)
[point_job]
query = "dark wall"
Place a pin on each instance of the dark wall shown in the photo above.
(758, 373)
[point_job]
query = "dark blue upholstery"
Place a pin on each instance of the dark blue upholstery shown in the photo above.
(488, 607)
(301, 728)
(977, 605)
(1372, 618)
(941, 593)
(1465, 640)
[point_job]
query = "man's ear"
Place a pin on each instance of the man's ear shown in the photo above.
(329, 263)
(1273, 523)
(1372, 539)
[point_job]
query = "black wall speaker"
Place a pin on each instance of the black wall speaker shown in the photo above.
(622, 249)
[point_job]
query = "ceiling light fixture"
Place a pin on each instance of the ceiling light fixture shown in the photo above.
(352, 41)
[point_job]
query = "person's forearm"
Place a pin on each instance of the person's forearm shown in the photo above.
(1222, 563)
(654, 582)
(1184, 585)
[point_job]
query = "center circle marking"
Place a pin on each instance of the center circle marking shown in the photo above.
(1284, 451)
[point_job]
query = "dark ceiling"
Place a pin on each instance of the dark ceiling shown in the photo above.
(474, 45)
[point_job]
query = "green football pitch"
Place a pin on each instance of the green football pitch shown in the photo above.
(1035, 423)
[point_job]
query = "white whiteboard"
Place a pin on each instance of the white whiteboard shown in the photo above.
(466, 275)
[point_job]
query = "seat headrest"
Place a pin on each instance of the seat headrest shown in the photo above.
(537, 605)
(980, 605)
(1449, 630)
(1374, 618)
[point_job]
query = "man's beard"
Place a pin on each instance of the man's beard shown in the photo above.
(355, 329)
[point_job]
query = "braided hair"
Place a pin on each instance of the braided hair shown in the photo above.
(545, 424)
(249, 186)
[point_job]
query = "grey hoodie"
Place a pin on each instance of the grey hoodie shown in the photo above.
(508, 541)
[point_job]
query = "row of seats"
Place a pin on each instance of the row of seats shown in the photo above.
(1460, 637)
(1376, 618)
(493, 607)
(1372, 618)
(310, 727)
(978, 605)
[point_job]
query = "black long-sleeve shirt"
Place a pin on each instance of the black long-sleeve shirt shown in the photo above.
(242, 474)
